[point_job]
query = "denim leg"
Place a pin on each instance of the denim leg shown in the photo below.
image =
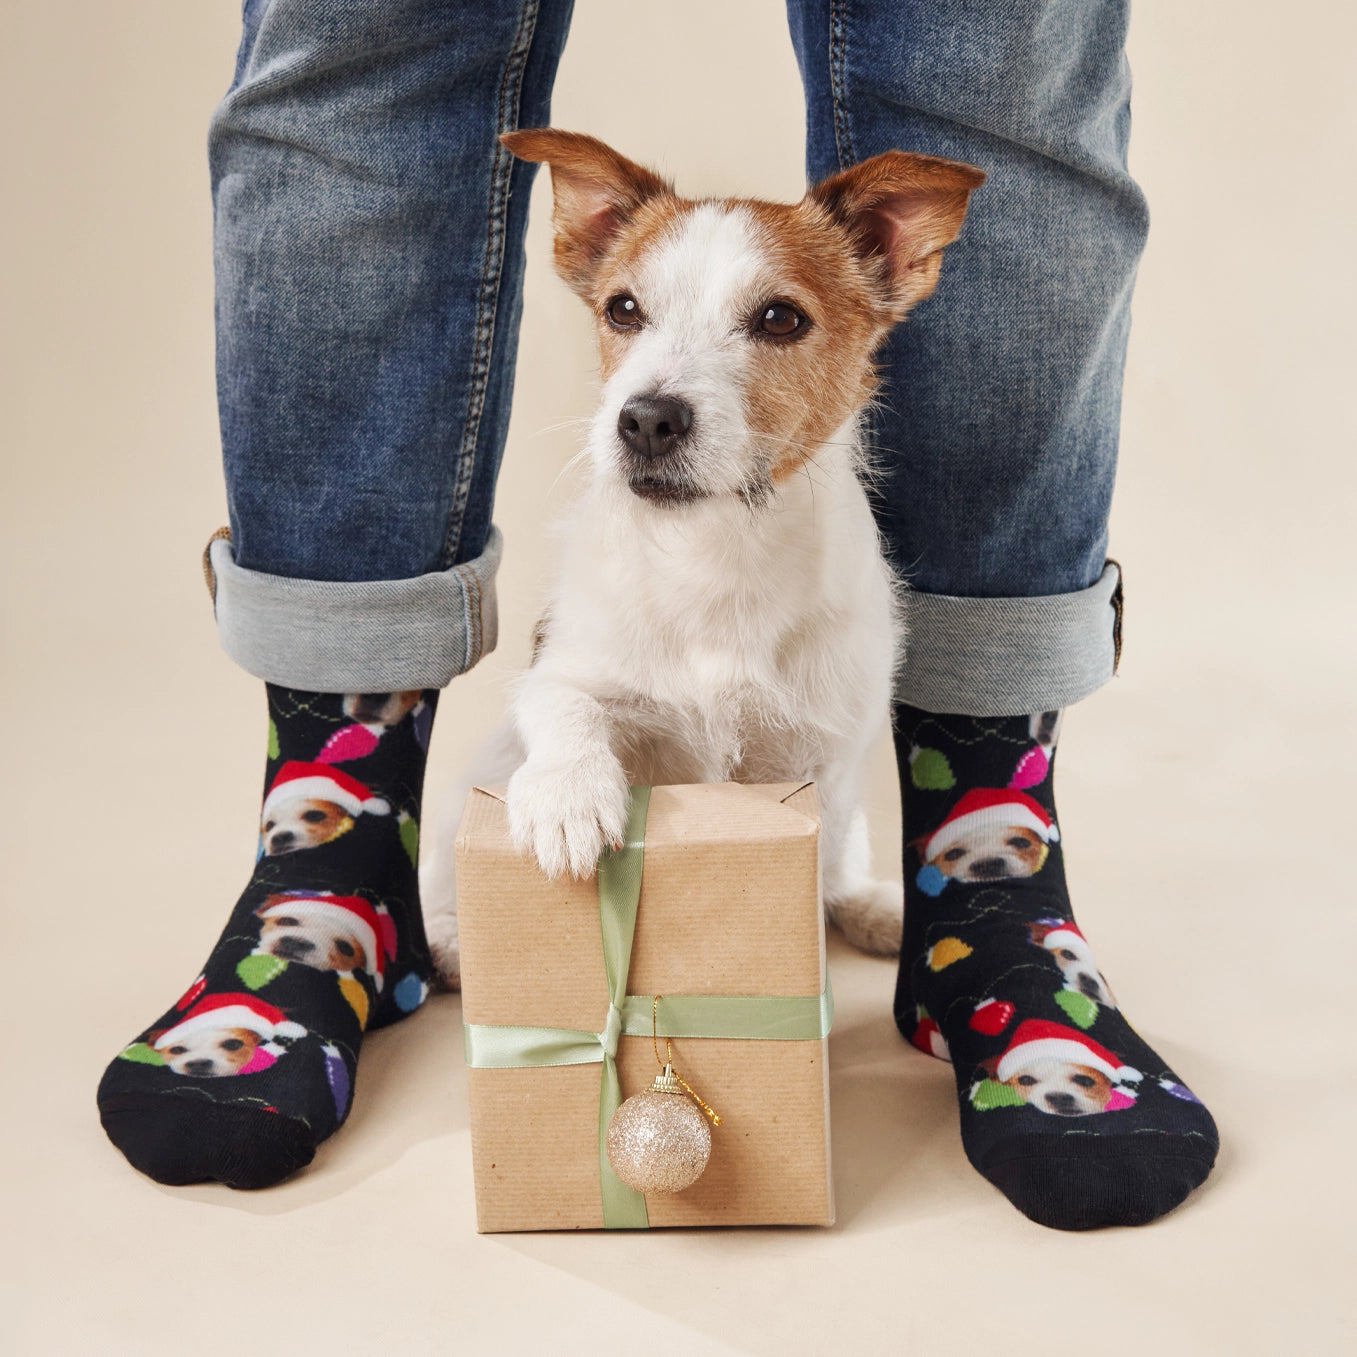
(369, 257)
(998, 421)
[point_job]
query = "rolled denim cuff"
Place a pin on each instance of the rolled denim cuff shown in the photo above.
(1007, 656)
(367, 637)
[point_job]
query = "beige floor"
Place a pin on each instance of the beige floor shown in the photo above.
(1204, 793)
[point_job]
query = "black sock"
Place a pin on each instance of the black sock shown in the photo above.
(1063, 1107)
(254, 1066)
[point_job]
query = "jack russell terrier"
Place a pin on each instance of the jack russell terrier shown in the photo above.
(722, 609)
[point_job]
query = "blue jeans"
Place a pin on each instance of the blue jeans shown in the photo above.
(369, 247)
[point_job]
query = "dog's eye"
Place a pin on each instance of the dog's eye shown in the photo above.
(952, 854)
(344, 948)
(1082, 1080)
(1067, 954)
(178, 1050)
(1019, 843)
(780, 320)
(286, 921)
(268, 825)
(232, 1044)
(313, 816)
(623, 313)
(1027, 1079)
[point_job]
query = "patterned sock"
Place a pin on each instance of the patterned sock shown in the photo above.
(247, 1073)
(1063, 1107)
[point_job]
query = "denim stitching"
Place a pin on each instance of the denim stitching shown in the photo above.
(838, 82)
(509, 94)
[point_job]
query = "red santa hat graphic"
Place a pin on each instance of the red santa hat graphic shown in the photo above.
(1037, 1041)
(372, 925)
(323, 782)
(1058, 933)
(246, 1011)
(983, 807)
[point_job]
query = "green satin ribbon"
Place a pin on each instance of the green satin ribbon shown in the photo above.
(749, 1017)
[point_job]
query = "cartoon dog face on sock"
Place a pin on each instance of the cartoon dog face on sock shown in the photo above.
(297, 934)
(328, 932)
(310, 804)
(991, 835)
(226, 1034)
(385, 709)
(211, 1052)
(303, 823)
(1062, 1088)
(1062, 1072)
(1071, 952)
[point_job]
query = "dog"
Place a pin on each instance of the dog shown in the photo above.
(991, 834)
(312, 941)
(722, 609)
(1063, 1072)
(226, 1034)
(381, 709)
(1063, 1089)
(341, 933)
(309, 804)
(212, 1052)
(1070, 949)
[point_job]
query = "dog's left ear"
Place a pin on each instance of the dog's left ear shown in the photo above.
(595, 191)
(901, 211)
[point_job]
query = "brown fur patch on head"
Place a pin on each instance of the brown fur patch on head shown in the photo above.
(900, 211)
(595, 192)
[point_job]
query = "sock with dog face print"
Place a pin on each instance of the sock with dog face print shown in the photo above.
(254, 1066)
(1063, 1107)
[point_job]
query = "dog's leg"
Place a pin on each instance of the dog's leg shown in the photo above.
(868, 912)
(493, 765)
(569, 799)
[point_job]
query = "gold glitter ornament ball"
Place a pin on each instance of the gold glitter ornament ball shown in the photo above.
(657, 1140)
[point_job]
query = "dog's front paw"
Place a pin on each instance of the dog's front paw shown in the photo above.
(872, 917)
(566, 814)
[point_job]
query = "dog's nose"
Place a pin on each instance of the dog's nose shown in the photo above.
(292, 948)
(1063, 1103)
(199, 1067)
(987, 869)
(281, 842)
(651, 425)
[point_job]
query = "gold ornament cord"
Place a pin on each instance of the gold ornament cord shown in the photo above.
(668, 1062)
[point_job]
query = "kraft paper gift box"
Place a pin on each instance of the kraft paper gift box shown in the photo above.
(728, 930)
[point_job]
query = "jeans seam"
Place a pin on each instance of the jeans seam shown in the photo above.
(511, 87)
(471, 601)
(838, 82)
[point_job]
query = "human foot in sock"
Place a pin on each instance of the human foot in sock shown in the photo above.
(1063, 1107)
(254, 1066)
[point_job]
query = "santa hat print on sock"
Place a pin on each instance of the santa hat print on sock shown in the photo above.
(323, 782)
(246, 1011)
(1037, 1041)
(986, 806)
(371, 926)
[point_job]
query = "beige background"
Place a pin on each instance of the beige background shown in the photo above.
(1203, 794)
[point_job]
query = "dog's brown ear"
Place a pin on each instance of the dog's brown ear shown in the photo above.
(901, 210)
(595, 191)
(918, 845)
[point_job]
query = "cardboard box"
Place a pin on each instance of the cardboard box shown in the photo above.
(729, 905)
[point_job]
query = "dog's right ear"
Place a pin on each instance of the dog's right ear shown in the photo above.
(595, 191)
